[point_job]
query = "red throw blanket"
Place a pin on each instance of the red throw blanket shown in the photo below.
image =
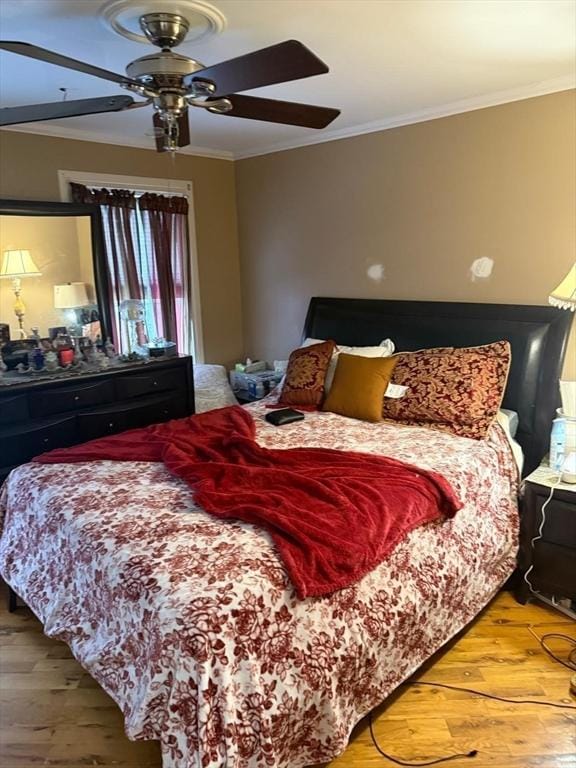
(333, 515)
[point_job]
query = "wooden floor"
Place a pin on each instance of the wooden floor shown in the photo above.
(53, 714)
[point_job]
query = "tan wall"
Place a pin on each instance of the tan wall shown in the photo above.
(28, 170)
(424, 201)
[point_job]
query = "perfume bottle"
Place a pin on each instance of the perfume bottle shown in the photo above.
(36, 359)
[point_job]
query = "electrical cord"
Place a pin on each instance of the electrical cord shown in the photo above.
(495, 697)
(570, 663)
(398, 761)
(541, 529)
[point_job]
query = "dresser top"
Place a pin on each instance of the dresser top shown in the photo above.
(26, 382)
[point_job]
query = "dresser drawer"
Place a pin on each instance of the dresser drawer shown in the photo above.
(131, 415)
(149, 383)
(13, 409)
(100, 423)
(19, 446)
(154, 411)
(71, 398)
(560, 525)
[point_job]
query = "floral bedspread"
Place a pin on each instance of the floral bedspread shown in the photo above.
(191, 624)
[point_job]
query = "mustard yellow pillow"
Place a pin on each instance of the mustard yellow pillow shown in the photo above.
(359, 386)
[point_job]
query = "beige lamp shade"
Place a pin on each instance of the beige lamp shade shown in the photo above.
(70, 296)
(18, 263)
(564, 296)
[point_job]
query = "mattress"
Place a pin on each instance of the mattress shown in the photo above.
(192, 625)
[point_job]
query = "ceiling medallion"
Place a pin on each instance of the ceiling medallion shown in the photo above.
(123, 16)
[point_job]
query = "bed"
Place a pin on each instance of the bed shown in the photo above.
(191, 623)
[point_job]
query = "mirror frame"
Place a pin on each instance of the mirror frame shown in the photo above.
(46, 208)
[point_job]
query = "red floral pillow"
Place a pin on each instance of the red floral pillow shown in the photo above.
(305, 374)
(458, 390)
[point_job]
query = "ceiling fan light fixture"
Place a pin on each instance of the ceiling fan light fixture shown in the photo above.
(219, 106)
(170, 105)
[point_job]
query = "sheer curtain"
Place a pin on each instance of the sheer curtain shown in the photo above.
(164, 224)
(146, 241)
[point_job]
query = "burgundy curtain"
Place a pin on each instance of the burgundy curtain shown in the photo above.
(118, 210)
(165, 221)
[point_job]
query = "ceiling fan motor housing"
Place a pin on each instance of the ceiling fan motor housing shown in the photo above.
(163, 69)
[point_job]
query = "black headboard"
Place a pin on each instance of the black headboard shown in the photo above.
(537, 335)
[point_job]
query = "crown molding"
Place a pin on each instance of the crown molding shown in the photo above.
(495, 99)
(100, 138)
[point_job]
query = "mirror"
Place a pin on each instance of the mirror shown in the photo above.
(45, 245)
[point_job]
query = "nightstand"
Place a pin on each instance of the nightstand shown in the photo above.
(553, 557)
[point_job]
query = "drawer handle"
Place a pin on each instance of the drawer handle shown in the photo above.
(46, 440)
(111, 424)
(155, 383)
(76, 397)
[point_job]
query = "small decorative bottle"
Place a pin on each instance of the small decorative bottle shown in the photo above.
(51, 361)
(77, 352)
(109, 349)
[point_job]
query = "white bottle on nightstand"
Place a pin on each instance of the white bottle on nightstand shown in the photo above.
(557, 444)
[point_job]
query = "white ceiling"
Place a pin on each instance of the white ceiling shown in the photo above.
(391, 62)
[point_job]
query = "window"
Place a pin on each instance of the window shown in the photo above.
(150, 244)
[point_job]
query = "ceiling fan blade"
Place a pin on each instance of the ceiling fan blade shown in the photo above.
(183, 132)
(42, 54)
(33, 113)
(287, 112)
(277, 64)
(159, 133)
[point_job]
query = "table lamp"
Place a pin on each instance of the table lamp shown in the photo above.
(16, 264)
(71, 296)
(564, 295)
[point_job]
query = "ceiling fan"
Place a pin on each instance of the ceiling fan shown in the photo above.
(172, 83)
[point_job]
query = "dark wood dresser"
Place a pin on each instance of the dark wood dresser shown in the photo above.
(36, 416)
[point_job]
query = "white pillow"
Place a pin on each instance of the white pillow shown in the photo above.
(384, 349)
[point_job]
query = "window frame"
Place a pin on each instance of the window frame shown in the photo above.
(141, 184)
